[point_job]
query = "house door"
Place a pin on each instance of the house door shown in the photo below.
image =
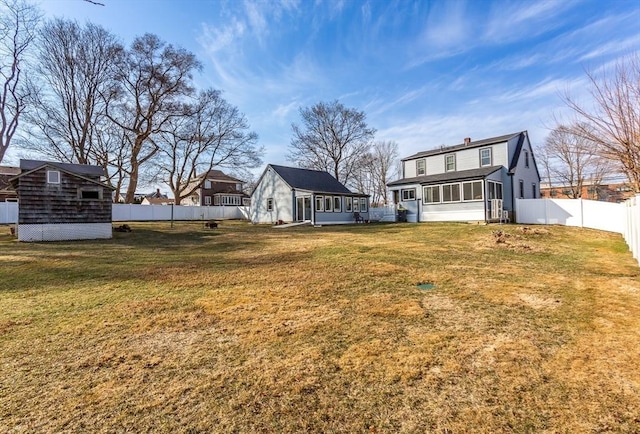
(303, 208)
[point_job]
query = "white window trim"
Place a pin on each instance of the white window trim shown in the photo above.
(490, 157)
(356, 205)
(459, 193)
(269, 204)
(319, 200)
(207, 184)
(348, 204)
(521, 188)
(495, 189)
(424, 195)
(328, 200)
(471, 182)
(534, 189)
(526, 158)
(50, 173)
(446, 157)
(207, 200)
(424, 162)
(408, 190)
(337, 199)
(363, 204)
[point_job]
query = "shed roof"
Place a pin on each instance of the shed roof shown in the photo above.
(317, 181)
(79, 169)
(448, 176)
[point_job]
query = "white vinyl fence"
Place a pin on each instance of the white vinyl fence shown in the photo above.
(129, 212)
(8, 212)
(382, 213)
(623, 218)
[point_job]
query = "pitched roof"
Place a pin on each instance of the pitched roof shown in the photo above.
(219, 175)
(79, 169)
(448, 176)
(477, 143)
(311, 180)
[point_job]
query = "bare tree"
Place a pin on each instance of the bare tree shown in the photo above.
(18, 25)
(76, 65)
(332, 137)
(614, 120)
(572, 160)
(155, 79)
(385, 159)
(211, 133)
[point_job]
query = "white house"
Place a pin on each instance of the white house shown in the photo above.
(291, 194)
(474, 181)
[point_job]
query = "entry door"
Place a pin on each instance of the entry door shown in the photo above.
(307, 207)
(303, 208)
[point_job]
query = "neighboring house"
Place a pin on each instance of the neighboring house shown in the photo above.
(606, 192)
(460, 183)
(290, 194)
(7, 192)
(60, 201)
(215, 188)
(156, 201)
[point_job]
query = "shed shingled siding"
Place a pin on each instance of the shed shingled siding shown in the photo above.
(59, 203)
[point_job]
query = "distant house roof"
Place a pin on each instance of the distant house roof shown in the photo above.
(219, 175)
(79, 169)
(6, 173)
(448, 149)
(448, 176)
(317, 181)
(157, 201)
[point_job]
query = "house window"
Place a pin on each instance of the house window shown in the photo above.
(269, 205)
(485, 157)
(450, 163)
(363, 204)
(319, 203)
(238, 187)
(431, 194)
(521, 189)
(207, 200)
(328, 203)
(53, 177)
(409, 194)
(421, 168)
(337, 204)
(472, 190)
(495, 190)
(207, 184)
(526, 158)
(347, 204)
(534, 190)
(356, 204)
(89, 194)
(451, 193)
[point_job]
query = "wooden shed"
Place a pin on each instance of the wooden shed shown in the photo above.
(61, 201)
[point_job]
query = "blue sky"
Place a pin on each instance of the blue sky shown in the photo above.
(426, 73)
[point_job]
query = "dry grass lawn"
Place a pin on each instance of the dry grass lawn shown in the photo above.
(254, 329)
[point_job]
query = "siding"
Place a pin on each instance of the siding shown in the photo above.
(58, 203)
(272, 186)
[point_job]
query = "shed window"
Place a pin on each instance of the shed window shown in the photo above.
(472, 190)
(90, 194)
(53, 177)
(421, 168)
(270, 204)
(337, 204)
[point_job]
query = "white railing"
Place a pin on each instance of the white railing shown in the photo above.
(623, 218)
(382, 213)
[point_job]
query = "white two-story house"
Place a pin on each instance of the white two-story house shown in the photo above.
(474, 181)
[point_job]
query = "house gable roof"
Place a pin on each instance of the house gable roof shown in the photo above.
(448, 176)
(219, 175)
(475, 144)
(317, 181)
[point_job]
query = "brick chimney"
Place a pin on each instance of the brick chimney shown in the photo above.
(467, 141)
